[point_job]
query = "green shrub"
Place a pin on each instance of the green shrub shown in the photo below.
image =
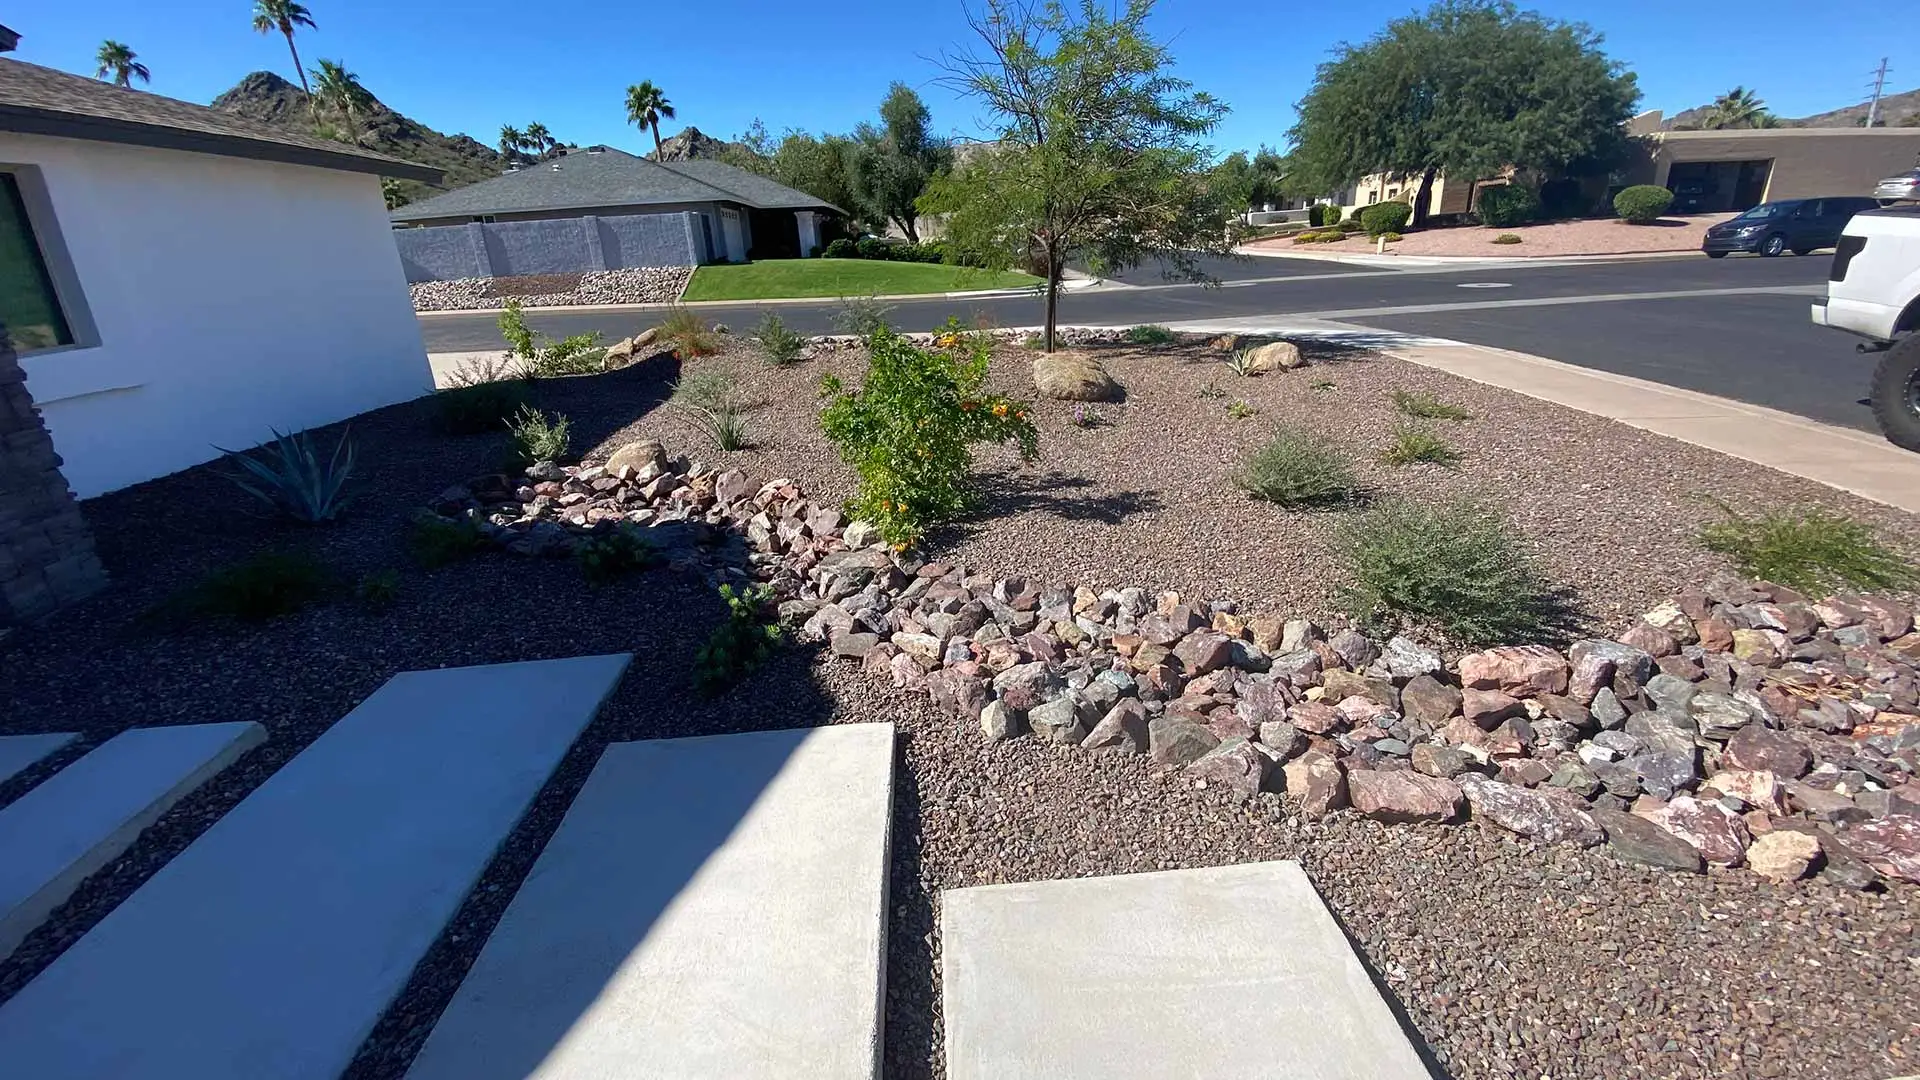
(290, 476)
(378, 590)
(578, 354)
(1807, 548)
(266, 586)
(712, 401)
(1642, 204)
(1424, 406)
(909, 429)
(870, 247)
(608, 556)
(1412, 443)
(436, 541)
(743, 642)
(782, 345)
(1455, 566)
(1239, 410)
(685, 334)
(1298, 470)
(840, 249)
(1323, 215)
(1506, 238)
(1385, 217)
(535, 438)
(1507, 205)
(1151, 335)
(1350, 225)
(864, 316)
(1392, 237)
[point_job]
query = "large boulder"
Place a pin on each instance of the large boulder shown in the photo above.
(1717, 833)
(1784, 855)
(1276, 356)
(1550, 814)
(1519, 670)
(1639, 841)
(1317, 782)
(1124, 729)
(1176, 741)
(1402, 795)
(1236, 765)
(646, 457)
(1073, 376)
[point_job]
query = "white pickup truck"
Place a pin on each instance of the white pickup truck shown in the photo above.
(1873, 291)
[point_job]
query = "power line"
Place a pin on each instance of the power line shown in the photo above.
(1879, 85)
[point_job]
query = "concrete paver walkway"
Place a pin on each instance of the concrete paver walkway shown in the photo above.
(18, 752)
(1235, 971)
(710, 907)
(83, 817)
(271, 945)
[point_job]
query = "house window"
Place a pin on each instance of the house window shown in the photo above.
(1372, 197)
(29, 306)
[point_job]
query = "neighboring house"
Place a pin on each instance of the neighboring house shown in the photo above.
(735, 214)
(176, 278)
(9, 40)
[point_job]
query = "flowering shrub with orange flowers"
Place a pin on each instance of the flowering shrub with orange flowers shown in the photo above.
(908, 431)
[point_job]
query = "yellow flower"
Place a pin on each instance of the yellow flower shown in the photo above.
(947, 341)
(1000, 409)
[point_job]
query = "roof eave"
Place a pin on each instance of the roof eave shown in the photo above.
(28, 120)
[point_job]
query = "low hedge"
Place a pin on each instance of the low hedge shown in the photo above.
(872, 247)
(1642, 204)
(1508, 205)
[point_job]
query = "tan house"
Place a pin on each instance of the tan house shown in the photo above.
(1708, 171)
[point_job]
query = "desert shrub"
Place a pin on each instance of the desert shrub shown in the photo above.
(1239, 410)
(377, 591)
(1240, 363)
(266, 586)
(840, 249)
(1456, 566)
(535, 438)
(1412, 443)
(1507, 205)
(1506, 238)
(537, 358)
(712, 401)
(908, 431)
(1298, 470)
(290, 476)
(436, 541)
(1323, 215)
(743, 642)
(863, 315)
(685, 334)
(1350, 225)
(782, 345)
(1151, 335)
(1391, 237)
(1642, 204)
(608, 556)
(1209, 391)
(1385, 217)
(1424, 406)
(1806, 548)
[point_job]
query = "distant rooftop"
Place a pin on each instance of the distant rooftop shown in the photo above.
(9, 40)
(36, 100)
(600, 176)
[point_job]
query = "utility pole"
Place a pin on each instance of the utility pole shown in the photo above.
(1879, 85)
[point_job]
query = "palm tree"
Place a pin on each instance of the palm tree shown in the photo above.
(120, 61)
(1737, 108)
(340, 90)
(511, 140)
(539, 139)
(646, 106)
(284, 15)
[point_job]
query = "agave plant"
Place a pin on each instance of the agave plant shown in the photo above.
(289, 476)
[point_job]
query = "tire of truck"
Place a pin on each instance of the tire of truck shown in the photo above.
(1896, 393)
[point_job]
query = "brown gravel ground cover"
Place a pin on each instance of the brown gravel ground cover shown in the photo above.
(1510, 959)
(1552, 239)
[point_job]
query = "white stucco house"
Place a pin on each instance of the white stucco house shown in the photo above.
(175, 278)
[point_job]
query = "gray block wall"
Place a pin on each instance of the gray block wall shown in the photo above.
(549, 246)
(46, 552)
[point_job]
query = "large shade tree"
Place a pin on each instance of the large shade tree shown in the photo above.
(284, 17)
(1098, 151)
(122, 64)
(647, 105)
(894, 162)
(1468, 88)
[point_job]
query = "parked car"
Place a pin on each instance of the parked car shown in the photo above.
(1873, 291)
(1902, 188)
(1796, 225)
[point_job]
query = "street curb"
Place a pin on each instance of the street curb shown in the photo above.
(1071, 285)
(1463, 261)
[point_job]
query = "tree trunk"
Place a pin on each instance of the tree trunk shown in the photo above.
(301, 72)
(1421, 201)
(1053, 296)
(656, 140)
(906, 226)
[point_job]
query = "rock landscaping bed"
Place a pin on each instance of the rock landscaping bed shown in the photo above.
(1063, 713)
(633, 285)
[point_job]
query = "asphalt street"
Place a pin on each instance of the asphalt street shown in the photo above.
(1733, 327)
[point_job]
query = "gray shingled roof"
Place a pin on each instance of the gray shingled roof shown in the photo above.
(35, 100)
(603, 178)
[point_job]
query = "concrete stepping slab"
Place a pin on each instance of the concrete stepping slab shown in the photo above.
(710, 907)
(1230, 971)
(17, 752)
(84, 816)
(272, 944)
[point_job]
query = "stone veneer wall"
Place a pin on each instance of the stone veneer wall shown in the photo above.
(46, 553)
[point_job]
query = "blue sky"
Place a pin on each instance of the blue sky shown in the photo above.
(824, 66)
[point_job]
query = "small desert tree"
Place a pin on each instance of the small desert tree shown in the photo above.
(1098, 151)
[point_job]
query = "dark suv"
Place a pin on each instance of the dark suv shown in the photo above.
(1796, 225)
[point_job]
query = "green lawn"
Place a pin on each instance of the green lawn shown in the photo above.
(775, 278)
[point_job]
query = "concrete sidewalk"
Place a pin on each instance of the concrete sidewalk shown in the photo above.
(1854, 461)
